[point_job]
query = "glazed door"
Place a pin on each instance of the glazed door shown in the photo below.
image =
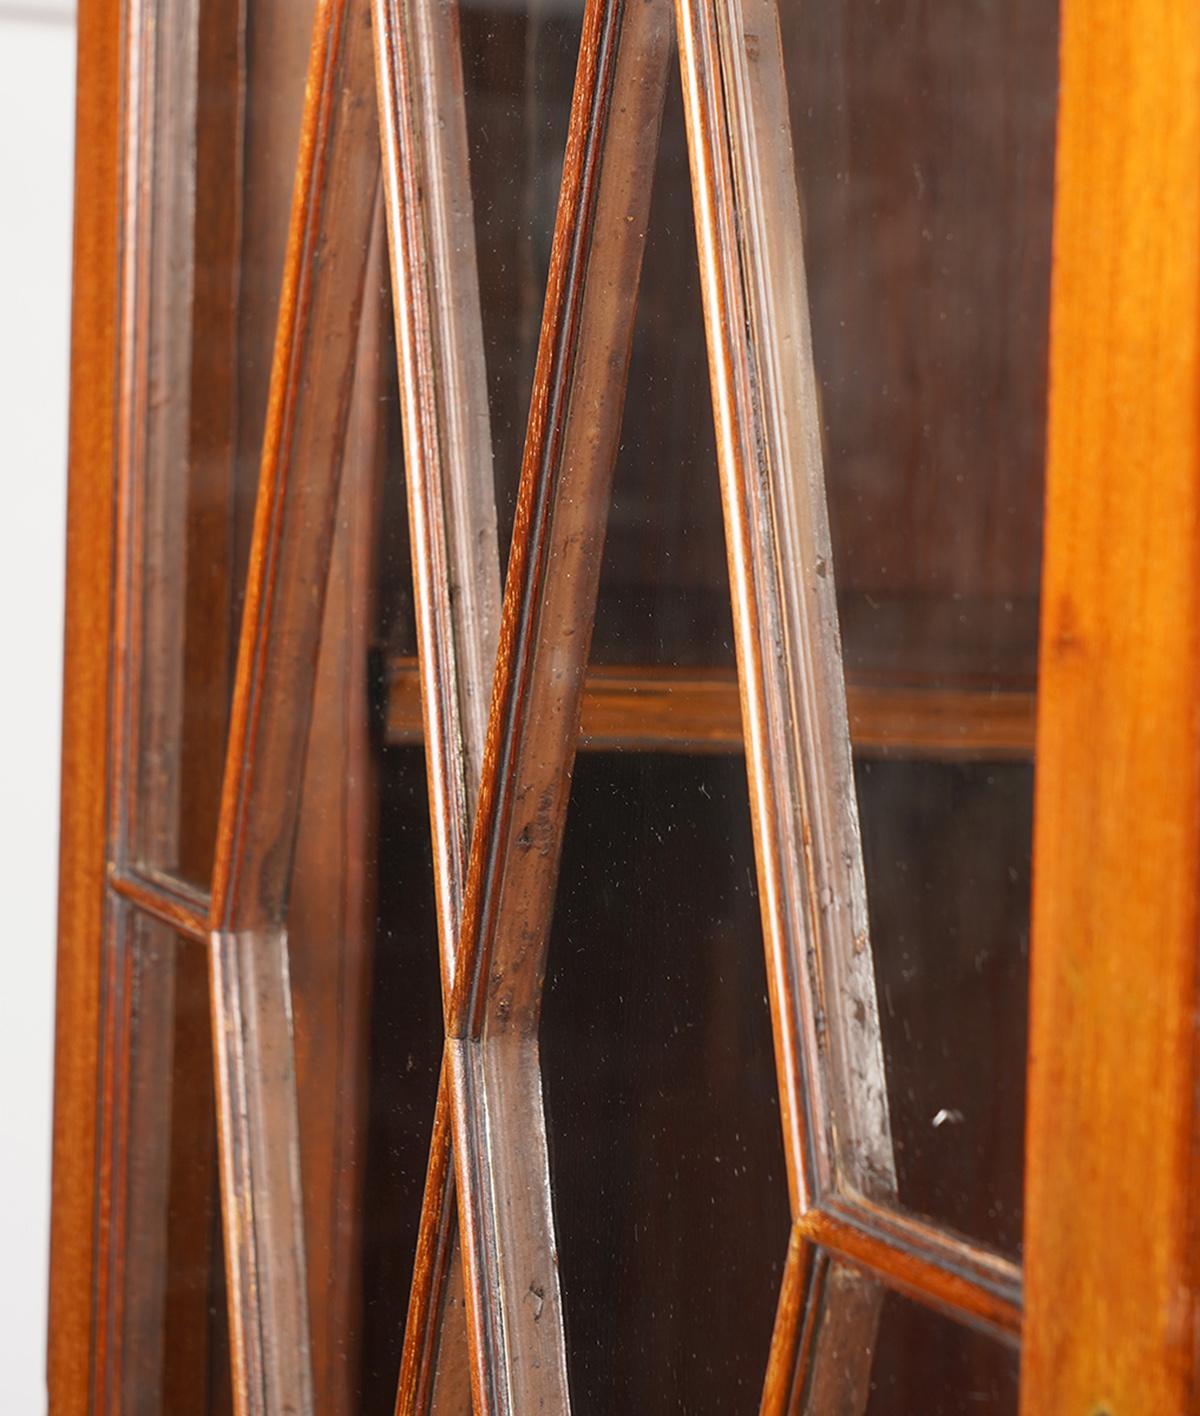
(548, 864)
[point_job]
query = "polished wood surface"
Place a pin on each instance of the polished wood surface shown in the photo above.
(332, 904)
(167, 901)
(456, 575)
(1111, 1179)
(71, 1352)
(493, 1008)
(1112, 1277)
(631, 708)
(962, 1279)
(832, 1093)
(303, 448)
(790, 1356)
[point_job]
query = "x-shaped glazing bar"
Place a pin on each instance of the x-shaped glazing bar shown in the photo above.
(493, 964)
(456, 578)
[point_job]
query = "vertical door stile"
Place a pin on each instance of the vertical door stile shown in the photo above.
(336, 182)
(1111, 1197)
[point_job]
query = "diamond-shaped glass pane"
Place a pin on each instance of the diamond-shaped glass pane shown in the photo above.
(225, 87)
(922, 150)
(169, 1350)
(667, 1165)
(872, 1352)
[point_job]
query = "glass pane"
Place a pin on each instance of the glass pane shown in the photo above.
(173, 1346)
(664, 592)
(361, 924)
(519, 73)
(667, 1166)
(227, 84)
(924, 145)
(666, 1160)
(947, 849)
(876, 1353)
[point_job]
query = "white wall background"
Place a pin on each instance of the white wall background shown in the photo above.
(37, 106)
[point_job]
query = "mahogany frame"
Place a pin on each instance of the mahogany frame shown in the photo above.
(1112, 1201)
(1116, 668)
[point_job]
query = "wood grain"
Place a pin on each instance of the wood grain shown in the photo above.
(916, 1258)
(1111, 1180)
(165, 900)
(492, 1012)
(332, 903)
(82, 843)
(791, 1338)
(829, 1061)
(847, 1310)
(635, 708)
(303, 448)
(456, 571)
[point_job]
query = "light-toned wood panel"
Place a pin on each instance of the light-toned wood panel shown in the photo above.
(1111, 1193)
(85, 704)
(650, 709)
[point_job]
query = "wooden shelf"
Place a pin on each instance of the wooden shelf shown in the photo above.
(648, 709)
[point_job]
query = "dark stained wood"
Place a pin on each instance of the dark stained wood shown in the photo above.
(492, 1010)
(451, 504)
(209, 626)
(653, 709)
(301, 467)
(1116, 911)
(558, 536)
(846, 1314)
(832, 1088)
(823, 1345)
(456, 573)
(924, 140)
(332, 905)
(828, 1043)
(415, 1387)
(276, 55)
(166, 901)
(152, 579)
(336, 180)
(184, 1323)
(1112, 1141)
(958, 1278)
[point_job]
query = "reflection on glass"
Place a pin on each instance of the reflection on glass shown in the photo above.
(947, 849)
(664, 591)
(519, 72)
(874, 1353)
(361, 926)
(173, 1343)
(924, 147)
(670, 1194)
(226, 88)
